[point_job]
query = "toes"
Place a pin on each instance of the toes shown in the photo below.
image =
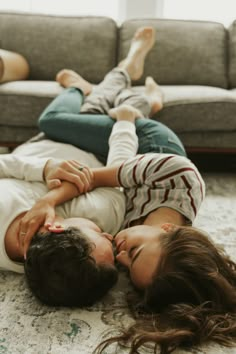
(60, 74)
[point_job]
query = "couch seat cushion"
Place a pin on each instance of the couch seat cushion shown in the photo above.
(201, 115)
(198, 109)
(23, 101)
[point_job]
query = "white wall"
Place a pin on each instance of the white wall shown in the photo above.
(223, 11)
(137, 9)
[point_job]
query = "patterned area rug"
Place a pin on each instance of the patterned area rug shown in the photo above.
(28, 327)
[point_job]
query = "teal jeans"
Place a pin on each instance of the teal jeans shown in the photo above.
(62, 121)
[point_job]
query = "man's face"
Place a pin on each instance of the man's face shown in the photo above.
(102, 241)
(139, 250)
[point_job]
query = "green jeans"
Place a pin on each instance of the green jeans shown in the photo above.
(62, 121)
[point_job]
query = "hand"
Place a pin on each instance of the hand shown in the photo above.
(71, 171)
(41, 214)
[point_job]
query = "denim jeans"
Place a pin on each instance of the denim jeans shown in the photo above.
(62, 121)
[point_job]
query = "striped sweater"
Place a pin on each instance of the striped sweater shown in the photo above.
(155, 180)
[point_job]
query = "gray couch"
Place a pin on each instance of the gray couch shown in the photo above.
(193, 61)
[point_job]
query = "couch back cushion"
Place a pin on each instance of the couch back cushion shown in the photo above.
(185, 52)
(50, 43)
(232, 55)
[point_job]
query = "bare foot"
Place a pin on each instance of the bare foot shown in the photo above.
(125, 112)
(154, 94)
(69, 78)
(141, 44)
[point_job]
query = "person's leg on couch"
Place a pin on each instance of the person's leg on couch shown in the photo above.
(13, 66)
(101, 97)
(90, 131)
(62, 120)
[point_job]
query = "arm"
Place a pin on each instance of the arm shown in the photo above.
(35, 169)
(43, 212)
(27, 168)
(133, 172)
(101, 177)
(123, 142)
(105, 177)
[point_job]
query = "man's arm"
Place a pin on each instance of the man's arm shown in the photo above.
(43, 213)
(27, 168)
(34, 169)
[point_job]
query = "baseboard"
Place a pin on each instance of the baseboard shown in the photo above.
(214, 161)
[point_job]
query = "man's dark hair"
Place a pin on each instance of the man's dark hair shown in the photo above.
(60, 270)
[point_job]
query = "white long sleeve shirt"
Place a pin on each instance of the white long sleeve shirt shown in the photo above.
(21, 184)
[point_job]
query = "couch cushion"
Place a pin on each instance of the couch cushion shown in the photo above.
(232, 54)
(209, 140)
(12, 136)
(199, 109)
(21, 104)
(185, 53)
(194, 112)
(51, 43)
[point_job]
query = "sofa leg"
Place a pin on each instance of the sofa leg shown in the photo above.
(13, 66)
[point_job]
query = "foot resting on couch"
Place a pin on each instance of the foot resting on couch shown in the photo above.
(142, 43)
(154, 94)
(69, 78)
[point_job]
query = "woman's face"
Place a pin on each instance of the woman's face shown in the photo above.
(138, 248)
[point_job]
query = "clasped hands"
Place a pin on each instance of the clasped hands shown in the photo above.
(71, 171)
(43, 212)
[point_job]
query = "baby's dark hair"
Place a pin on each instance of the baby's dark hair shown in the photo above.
(60, 270)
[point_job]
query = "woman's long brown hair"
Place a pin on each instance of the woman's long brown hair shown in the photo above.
(192, 299)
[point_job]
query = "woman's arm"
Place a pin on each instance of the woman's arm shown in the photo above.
(56, 171)
(72, 171)
(105, 177)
